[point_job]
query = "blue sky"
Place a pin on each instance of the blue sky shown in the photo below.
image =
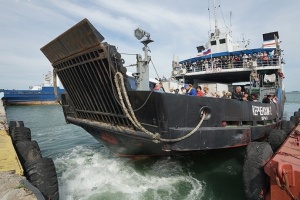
(176, 27)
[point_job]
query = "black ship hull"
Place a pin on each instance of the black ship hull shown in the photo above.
(231, 123)
(146, 123)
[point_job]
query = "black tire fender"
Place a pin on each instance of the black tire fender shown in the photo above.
(254, 177)
(28, 151)
(42, 174)
(276, 138)
(19, 134)
(13, 124)
(287, 126)
(294, 120)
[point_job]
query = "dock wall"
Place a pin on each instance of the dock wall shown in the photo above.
(11, 171)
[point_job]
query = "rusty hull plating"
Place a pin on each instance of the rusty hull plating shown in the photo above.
(284, 169)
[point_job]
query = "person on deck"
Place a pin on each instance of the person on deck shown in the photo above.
(206, 92)
(253, 97)
(246, 97)
(266, 99)
(228, 95)
(274, 99)
(245, 60)
(158, 88)
(265, 59)
(172, 90)
(224, 94)
(190, 90)
(182, 91)
(237, 94)
(200, 93)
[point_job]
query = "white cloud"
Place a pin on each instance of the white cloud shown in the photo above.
(177, 27)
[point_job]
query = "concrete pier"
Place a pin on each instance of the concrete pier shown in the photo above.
(11, 171)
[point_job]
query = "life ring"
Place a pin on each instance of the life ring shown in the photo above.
(218, 69)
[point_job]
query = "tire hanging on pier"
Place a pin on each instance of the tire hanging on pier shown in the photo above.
(276, 138)
(42, 174)
(295, 119)
(254, 177)
(287, 126)
(28, 151)
(19, 134)
(13, 124)
(39, 171)
(16, 124)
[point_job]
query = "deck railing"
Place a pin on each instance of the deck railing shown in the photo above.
(219, 66)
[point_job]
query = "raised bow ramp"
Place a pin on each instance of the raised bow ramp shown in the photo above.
(86, 68)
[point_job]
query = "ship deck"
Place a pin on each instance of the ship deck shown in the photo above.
(227, 73)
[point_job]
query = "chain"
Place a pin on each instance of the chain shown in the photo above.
(285, 185)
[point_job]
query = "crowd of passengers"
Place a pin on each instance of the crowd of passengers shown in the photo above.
(237, 94)
(227, 62)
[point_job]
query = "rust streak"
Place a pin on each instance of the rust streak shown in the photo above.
(107, 138)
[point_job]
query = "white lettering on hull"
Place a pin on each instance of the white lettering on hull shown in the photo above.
(261, 110)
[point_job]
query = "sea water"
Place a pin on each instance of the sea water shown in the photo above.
(87, 170)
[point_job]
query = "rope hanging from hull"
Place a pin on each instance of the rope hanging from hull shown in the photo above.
(129, 112)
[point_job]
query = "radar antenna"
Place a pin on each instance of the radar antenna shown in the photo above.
(245, 42)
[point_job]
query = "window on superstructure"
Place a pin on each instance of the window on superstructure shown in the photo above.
(222, 41)
(214, 42)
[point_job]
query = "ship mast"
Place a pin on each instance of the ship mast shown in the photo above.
(217, 31)
(142, 74)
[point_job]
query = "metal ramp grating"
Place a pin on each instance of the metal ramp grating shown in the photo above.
(87, 71)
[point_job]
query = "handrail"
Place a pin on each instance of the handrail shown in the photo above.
(218, 66)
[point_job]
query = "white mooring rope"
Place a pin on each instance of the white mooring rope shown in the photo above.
(119, 81)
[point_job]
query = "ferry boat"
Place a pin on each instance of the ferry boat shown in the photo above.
(38, 94)
(141, 122)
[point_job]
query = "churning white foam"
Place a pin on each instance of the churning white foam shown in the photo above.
(93, 173)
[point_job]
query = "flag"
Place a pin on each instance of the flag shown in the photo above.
(269, 44)
(206, 52)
